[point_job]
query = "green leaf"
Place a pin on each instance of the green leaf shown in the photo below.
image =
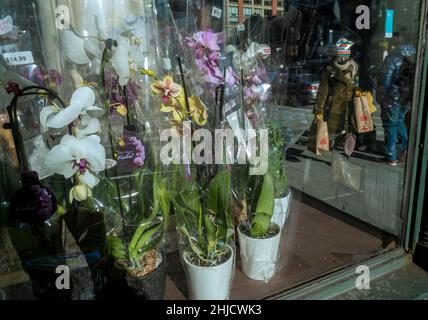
(219, 199)
(194, 246)
(143, 240)
(264, 210)
(138, 233)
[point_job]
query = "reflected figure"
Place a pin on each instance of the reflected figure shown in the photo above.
(336, 91)
(394, 94)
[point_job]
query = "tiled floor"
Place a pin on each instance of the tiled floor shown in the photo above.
(318, 239)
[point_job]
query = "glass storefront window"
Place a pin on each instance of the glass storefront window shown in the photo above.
(110, 164)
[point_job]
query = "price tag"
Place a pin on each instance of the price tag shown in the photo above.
(37, 150)
(6, 25)
(18, 58)
(216, 13)
(266, 51)
(240, 28)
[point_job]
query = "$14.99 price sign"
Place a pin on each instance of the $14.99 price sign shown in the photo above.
(18, 58)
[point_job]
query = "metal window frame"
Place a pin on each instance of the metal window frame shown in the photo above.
(412, 208)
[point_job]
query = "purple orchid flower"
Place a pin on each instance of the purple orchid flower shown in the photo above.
(204, 40)
(232, 78)
(207, 55)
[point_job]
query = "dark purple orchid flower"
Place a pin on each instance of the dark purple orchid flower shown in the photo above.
(116, 95)
(12, 87)
(33, 203)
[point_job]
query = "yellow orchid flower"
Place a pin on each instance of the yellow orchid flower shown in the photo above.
(198, 110)
(167, 88)
(176, 109)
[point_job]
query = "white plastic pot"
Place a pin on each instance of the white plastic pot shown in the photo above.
(281, 210)
(259, 256)
(209, 283)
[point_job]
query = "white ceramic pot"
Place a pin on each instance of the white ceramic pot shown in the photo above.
(209, 283)
(281, 210)
(259, 256)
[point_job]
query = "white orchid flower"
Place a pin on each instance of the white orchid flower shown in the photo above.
(87, 126)
(81, 102)
(80, 50)
(120, 60)
(85, 157)
(127, 58)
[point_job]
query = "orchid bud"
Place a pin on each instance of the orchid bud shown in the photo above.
(80, 192)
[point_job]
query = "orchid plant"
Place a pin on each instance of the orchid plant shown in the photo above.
(132, 252)
(79, 155)
(204, 218)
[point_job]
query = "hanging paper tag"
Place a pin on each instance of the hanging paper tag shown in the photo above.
(36, 149)
(18, 58)
(240, 28)
(216, 13)
(6, 25)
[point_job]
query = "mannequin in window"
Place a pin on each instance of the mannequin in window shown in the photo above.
(336, 91)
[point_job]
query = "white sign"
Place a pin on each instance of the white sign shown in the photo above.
(37, 157)
(6, 25)
(216, 12)
(18, 58)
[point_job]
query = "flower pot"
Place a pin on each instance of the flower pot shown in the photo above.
(209, 283)
(259, 256)
(124, 286)
(281, 210)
